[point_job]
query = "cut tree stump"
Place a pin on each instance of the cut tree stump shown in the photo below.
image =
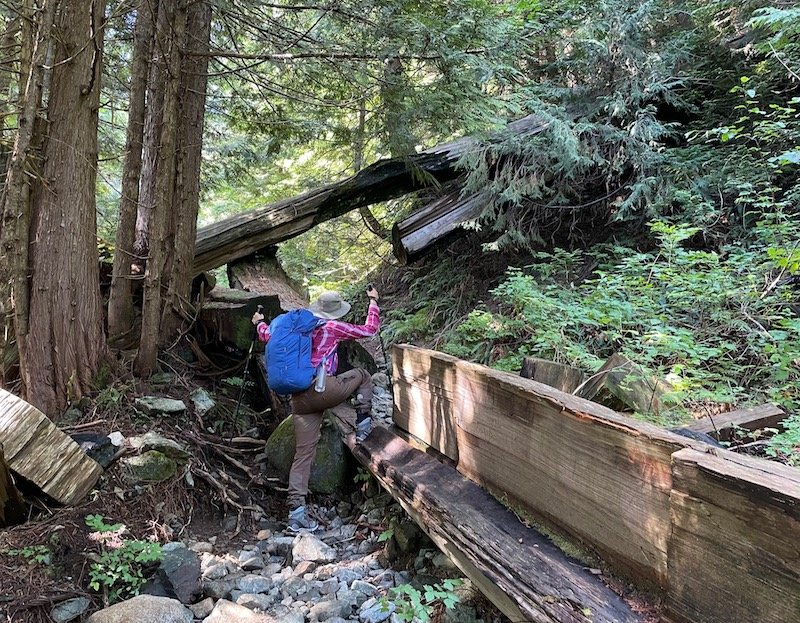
(722, 425)
(518, 569)
(622, 385)
(559, 375)
(227, 314)
(262, 273)
(38, 451)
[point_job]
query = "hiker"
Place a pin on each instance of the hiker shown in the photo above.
(309, 405)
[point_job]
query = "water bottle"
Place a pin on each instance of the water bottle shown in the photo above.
(319, 384)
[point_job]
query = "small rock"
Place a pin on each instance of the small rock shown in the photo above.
(69, 609)
(219, 589)
(375, 611)
(151, 405)
(202, 608)
(257, 601)
(203, 403)
(326, 610)
(202, 547)
(144, 608)
(363, 587)
(254, 584)
(150, 467)
(311, 548)
(264, 535)
(228, 612)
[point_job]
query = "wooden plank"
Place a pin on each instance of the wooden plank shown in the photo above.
(37, 450)
(721, 426)
(735, 550)
(597, 474)
(518, 569)
(558, 375)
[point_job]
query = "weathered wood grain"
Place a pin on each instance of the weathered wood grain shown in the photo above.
(518, 569)
(735, 550)
(721, 426)
(263, 273)
(601, 476)
(559, 375)
(37, 450)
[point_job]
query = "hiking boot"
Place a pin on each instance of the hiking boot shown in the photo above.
(299, 520)
(363, 429)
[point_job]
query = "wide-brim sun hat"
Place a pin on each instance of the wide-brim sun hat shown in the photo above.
(330, 306)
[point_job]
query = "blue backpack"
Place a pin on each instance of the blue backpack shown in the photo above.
(288, 353)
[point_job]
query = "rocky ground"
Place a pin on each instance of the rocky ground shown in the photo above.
(227, 555)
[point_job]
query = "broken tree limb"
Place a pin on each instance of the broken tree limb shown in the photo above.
(518, 569)
(240, 235)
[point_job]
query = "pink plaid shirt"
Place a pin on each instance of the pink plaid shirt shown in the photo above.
(326, 337)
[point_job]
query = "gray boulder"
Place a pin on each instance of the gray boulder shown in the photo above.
(144, 609)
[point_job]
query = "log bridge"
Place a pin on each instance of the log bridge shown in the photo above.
(711, 534)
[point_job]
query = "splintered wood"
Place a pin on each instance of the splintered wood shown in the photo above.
(37, 450)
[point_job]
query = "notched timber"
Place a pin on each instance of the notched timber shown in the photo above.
(518, 569)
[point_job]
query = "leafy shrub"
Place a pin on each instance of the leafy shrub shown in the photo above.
(118, 569)
(717, 325)
(412, 604)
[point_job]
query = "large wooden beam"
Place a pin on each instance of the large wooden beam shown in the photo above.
(588, 470)
(37, 450)
(515, 567)
(722, 425)
(240, 235)
(734, 552)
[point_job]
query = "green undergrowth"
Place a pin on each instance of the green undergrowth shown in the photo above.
(720, 325)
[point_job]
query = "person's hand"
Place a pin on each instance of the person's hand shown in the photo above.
(372, 292)
(257, 317)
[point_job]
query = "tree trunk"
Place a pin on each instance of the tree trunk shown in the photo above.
(171, 41)
(8, 54)
(65, 344)
(16, 219)
(120, 304)
(156, 84)
(178, 272)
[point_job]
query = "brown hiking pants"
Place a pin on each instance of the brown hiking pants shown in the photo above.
(308, 408)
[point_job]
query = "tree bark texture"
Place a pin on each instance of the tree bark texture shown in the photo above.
(154, 113)
(183, 222)
(14, 232)
(8, 56)
(65, 343)
(171, 41)
(120, 304)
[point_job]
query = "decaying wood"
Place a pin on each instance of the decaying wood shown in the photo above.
(263, 273)
(734, 552)
(12, 507)
(722, 425)
(40, 452)
(412, 236)
(518, 569)
(243, 234)
(592, 472)
(559, 375)
(623, 386)
(226, 315)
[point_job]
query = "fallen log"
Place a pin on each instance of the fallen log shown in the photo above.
(37, 450)
(518, 569)
(415, 234)
(240, 235)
